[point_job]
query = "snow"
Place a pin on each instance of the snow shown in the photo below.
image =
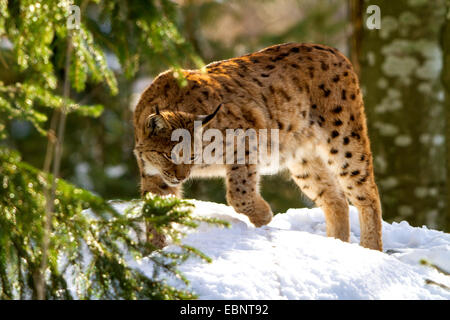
(291, 258)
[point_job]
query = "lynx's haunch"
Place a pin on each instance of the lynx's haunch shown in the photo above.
(309, 92)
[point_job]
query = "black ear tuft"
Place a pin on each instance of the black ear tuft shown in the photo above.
(155, 123)
(206, 119)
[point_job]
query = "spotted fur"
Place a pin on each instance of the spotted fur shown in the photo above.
(310, 93)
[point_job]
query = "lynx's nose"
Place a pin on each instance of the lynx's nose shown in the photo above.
(181, 174)
(179, 178)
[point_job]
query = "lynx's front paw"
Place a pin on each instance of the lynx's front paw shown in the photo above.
(262, 214)
(155, 238)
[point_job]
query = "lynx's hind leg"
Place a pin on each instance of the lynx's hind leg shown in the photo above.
(319, 184)
(353, 168)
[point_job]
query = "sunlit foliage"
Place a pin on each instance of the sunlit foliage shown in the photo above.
(40, 54)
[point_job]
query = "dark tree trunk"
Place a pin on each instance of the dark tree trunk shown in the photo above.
(445, 45)
(400, 76)
(356, 17)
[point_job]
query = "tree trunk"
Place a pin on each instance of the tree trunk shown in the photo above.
(403, 93)
(356, 18)
(445, 45)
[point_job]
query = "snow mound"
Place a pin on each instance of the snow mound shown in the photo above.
(291, 258)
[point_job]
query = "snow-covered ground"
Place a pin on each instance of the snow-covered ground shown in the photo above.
(292, 258)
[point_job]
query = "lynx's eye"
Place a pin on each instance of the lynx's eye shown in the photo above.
(168, 157)
(194, 157)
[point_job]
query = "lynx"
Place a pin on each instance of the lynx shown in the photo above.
(309, 92)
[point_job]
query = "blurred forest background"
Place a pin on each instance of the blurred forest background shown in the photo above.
(404, 70)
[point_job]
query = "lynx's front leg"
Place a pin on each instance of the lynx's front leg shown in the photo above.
(243, 195)
(155, 184)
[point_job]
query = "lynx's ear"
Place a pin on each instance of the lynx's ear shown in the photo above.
(207, 119)
(155, 123)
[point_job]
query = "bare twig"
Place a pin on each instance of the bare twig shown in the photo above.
(429, 281)
(54, 156)
(54, 147)
(439, 269)
(443, 286)
(2, 60)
